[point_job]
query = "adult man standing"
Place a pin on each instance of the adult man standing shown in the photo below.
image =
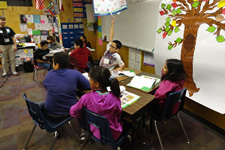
(7, 47)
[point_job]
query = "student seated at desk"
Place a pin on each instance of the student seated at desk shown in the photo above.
(61, 84)
(111, 58)
(52, 44)
(101, 101)
(81, 54)
(85, 42)
(172, 80)
(39, 55)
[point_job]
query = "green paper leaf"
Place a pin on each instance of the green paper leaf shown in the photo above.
(159, 30)
(169, 32)
(178, 11)
(170, 47)
(167, 24)
(211, 29)
(168, 19)
(176, 29)
(195, 4)
(174, 12)
(220, 38)
(178, 40)
(168, 7)
(163, 5)
(167, 29)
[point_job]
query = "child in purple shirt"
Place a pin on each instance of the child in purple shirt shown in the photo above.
(101, 101)
(172, 80)
(61, 84)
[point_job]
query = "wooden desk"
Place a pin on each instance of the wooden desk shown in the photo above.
(125, 77)
(139, 107)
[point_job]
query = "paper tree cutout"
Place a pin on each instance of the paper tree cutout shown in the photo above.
(191, 14)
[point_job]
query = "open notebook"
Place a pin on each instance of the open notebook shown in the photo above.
(144, 83)
(126, 97)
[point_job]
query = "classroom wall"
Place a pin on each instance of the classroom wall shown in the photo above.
(66, 16)
(14, 12)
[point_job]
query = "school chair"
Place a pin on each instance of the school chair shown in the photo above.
(43, 122)
(102, 123)
(36, 68)
(73, 63)
(174, 99)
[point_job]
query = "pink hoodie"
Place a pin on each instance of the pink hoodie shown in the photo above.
(106, 105)
(163, 91)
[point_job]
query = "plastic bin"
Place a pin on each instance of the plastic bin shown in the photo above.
(28, 66)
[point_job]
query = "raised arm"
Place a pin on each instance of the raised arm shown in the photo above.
(112, 30)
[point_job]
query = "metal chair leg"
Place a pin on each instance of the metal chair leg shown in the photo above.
(44, 73)
(54, 138)
(36, 75)
(29, 137)
(182, 126)
(157, 131)
(143, 117)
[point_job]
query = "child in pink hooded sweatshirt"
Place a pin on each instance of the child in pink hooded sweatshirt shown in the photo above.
(101, 101)
(172, 80)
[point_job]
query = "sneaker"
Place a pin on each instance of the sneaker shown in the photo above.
(83, 135)
(15, 73)
(4, 74)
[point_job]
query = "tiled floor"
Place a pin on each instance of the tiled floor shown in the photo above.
(15, 125)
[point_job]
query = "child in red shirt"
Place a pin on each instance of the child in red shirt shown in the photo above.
(81, 54)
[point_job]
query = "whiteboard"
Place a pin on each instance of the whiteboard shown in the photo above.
(136, 26)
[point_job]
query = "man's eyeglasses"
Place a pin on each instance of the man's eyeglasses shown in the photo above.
(113, 47)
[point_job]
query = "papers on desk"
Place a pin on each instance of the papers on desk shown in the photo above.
(90, 49)
(56, 50)
(123, 73)
(29, 45)
(128, 98)
(52, 52)
(86, 75)
(144, 83)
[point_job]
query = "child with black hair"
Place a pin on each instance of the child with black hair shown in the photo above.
(85, 42)
(172, 80)
(61, 85)
(101, 101)
(111, 59)
(39, 54)
(81, 54)
(52, 44)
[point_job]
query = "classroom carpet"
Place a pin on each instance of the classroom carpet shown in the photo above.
(16, 124)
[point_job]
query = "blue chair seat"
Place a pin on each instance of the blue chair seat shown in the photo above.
(42, 121)
(175, 98)
(102, 123)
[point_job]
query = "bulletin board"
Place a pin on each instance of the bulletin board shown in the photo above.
(38, 26)
(71, 32)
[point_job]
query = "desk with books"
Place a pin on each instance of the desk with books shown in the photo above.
(139, 107)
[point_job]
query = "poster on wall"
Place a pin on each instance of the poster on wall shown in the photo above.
(104, 8)
(193, 31)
